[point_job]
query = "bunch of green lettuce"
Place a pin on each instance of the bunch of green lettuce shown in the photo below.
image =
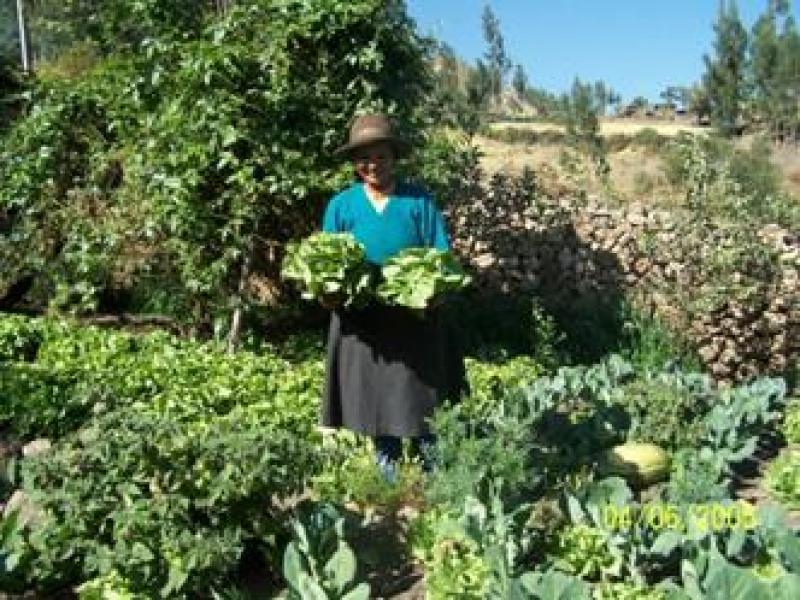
(329, 265)
(413, 277)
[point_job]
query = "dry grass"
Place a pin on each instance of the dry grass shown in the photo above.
(614, 126)
(637, 173)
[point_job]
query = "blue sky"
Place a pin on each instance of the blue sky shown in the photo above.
(638, 47)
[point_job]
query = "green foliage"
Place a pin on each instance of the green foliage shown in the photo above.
(118, 503)
(495, 326)
(783, 478)
(115, 25)
(107, 587)
(10, 530)
(318, 563)
(350, 473)
(722, 180)
(415, 276)
(12, 85)
(122, 172)
(724, 78)
(79, 372)
(696, 477)
(497, 62)
(774, 55)
(474, 550)
(791, 423)
(625, 591)
(651, 345)
(491, 382)
(328, 264)
(447, 165)
(581, 550)
(668, 409)
(580, 110)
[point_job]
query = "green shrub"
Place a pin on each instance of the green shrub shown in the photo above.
(722, 180)
(122, 171)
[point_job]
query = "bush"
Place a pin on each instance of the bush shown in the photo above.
(120, 172)
(722, 180)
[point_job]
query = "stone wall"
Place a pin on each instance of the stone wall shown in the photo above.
(516, 240)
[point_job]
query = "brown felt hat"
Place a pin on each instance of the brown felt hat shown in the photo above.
(368, 129)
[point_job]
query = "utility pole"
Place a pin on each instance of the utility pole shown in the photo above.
(23, 37)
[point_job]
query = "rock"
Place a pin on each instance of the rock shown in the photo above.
(486, 260)
(36, 448)
(729, 356)
(708, 354)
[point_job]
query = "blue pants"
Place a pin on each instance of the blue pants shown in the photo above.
(389, 449)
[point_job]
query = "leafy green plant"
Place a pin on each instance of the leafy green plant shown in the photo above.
(10, 529)
(82, 371)
(119, 503)
(581, 550)
(415, 276)
(476, 550)
(490, 382)
(328, 265)
(697, 476)
(783, 478)
(456, 567)
(791, 423)
(626, 591)
(350, 473)
(107, 587)
(668, 408)
(318, 563)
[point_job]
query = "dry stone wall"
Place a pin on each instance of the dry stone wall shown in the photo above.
(744, 322)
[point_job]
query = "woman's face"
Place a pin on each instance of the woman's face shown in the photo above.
(374, 164)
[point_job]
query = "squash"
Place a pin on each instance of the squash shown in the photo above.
(641, 464)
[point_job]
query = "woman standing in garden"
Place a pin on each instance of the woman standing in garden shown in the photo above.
(387, 369)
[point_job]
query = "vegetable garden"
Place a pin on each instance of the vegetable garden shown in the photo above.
(162, 176)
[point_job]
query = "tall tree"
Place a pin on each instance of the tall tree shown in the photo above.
(724, 78)
(520, 81)
(786, 123)
(774, 59)
(497, 61)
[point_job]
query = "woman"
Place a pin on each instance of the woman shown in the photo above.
(387, 369)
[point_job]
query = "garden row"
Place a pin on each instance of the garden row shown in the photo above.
(171, 461)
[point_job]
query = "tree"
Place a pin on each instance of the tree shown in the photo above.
(774, 58)
(497, 62)
(676, 94)
(208, 151)
(724, 78)
(786, 124)
(520, 81)
(580, 110)
(699, 104)
(479, 87)
(604, 96)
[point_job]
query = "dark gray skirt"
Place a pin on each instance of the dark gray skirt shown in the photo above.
(388, 369)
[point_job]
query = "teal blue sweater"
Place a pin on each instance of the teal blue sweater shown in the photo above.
(409, 219)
